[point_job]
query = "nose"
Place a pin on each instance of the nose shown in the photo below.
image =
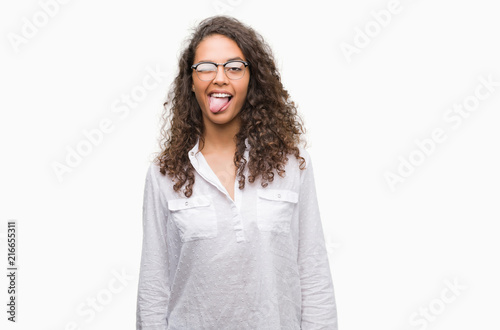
(220, 77)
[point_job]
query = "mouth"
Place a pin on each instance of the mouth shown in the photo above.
(219, 101)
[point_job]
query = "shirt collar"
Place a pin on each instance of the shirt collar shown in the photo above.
(195, 149)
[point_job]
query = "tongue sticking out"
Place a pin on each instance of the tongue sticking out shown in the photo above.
(217, 103)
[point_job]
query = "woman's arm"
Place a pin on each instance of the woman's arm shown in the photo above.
(319, 309)
(153, 290)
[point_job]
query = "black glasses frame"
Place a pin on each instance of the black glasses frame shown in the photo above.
(194, 66)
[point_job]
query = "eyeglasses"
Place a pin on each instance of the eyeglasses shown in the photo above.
(207, 71)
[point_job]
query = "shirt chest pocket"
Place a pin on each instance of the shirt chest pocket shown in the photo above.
(195, 217)
(275, 209)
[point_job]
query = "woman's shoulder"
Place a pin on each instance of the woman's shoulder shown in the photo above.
(304, 153)
(154, 172)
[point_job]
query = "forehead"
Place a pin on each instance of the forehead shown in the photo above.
(217, 48)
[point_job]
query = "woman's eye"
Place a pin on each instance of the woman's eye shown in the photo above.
(206, 68)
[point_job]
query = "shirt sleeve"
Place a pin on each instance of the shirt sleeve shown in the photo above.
(153, 289)
(319, 309)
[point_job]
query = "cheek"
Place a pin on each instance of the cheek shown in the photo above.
(200, 99)
(243, 90)
(199, 93)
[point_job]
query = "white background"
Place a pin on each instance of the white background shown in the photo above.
(392, 251)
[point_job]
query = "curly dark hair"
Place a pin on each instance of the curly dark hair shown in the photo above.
(269, 119)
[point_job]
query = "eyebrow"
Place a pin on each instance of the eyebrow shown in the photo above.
(230, 59)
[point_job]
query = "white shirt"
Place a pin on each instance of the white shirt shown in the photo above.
(258, 262)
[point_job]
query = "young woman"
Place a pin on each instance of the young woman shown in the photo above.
(227, 244)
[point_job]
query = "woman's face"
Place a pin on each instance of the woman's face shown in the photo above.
(219, 110)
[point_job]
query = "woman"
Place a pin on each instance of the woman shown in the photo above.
(226, 252)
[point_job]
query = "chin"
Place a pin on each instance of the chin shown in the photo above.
(224, 117)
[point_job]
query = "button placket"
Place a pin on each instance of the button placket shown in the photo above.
(202, 167)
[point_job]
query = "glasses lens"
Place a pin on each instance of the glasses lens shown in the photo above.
(235, 70)
(206, 71)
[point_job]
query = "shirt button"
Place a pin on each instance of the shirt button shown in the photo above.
(186, 203)
(279, 195)
(192, 153)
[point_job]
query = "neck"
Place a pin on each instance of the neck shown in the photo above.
(220, 138)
